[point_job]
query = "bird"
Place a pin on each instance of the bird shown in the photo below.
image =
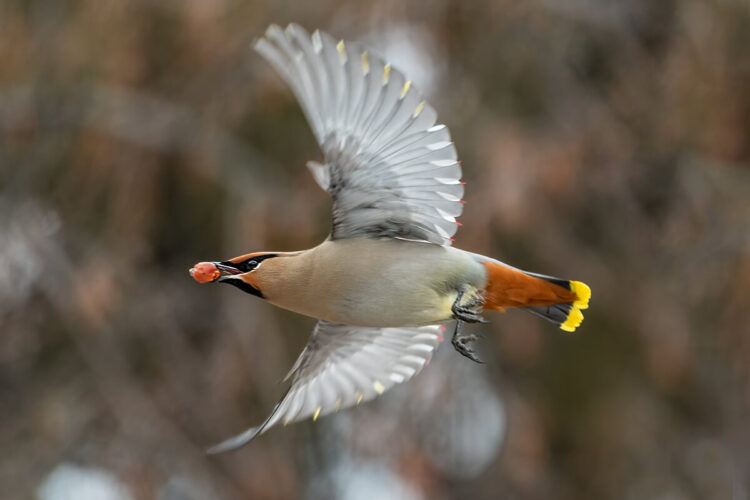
(387, 279)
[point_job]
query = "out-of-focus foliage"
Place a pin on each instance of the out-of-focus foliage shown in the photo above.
(601, 141)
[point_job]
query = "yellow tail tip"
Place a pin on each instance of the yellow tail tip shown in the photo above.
(583, 292)
(574, 319)
(575, 316)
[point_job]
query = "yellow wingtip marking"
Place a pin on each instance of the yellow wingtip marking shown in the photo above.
(359, 397)
(386, 73)
(419, 109)
(405, 89)
(315, 415)
(379, 388)
(338, 404)
(365, 63)
(342, 51)
(583, 292)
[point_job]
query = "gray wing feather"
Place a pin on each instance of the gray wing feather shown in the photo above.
(342, 366)
(391, 170)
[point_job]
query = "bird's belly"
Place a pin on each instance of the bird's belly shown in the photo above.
(392, 307)
(377, 303)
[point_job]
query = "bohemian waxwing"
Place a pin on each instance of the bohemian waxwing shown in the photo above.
(387, 277)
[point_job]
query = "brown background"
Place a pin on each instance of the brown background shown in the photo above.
(601, 141)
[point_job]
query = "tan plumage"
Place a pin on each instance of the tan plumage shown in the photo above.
(387, 277)
(377, 283)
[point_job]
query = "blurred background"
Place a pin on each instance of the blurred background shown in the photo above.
(602, 141)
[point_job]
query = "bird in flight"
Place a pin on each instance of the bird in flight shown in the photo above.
(387, 278)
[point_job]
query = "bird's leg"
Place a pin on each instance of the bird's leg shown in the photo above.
(467, 312)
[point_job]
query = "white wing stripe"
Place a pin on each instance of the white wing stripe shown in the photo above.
(439, 145)
(444, 163)
(448, 196)
(422, 347)
(445, 180)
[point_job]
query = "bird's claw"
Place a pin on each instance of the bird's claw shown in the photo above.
(461, 344)
(469, 312)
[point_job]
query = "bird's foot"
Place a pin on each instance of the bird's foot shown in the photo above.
(461, 342)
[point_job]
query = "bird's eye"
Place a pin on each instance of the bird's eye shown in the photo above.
(249, 265)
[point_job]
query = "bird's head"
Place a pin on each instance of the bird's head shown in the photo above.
(239, 271)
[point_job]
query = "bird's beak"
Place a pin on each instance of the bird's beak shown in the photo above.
(208, 272)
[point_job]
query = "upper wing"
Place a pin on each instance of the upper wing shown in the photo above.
(345, 365)
(392, 172)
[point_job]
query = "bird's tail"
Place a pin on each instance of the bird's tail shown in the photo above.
(566, 315)
(557, 300)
